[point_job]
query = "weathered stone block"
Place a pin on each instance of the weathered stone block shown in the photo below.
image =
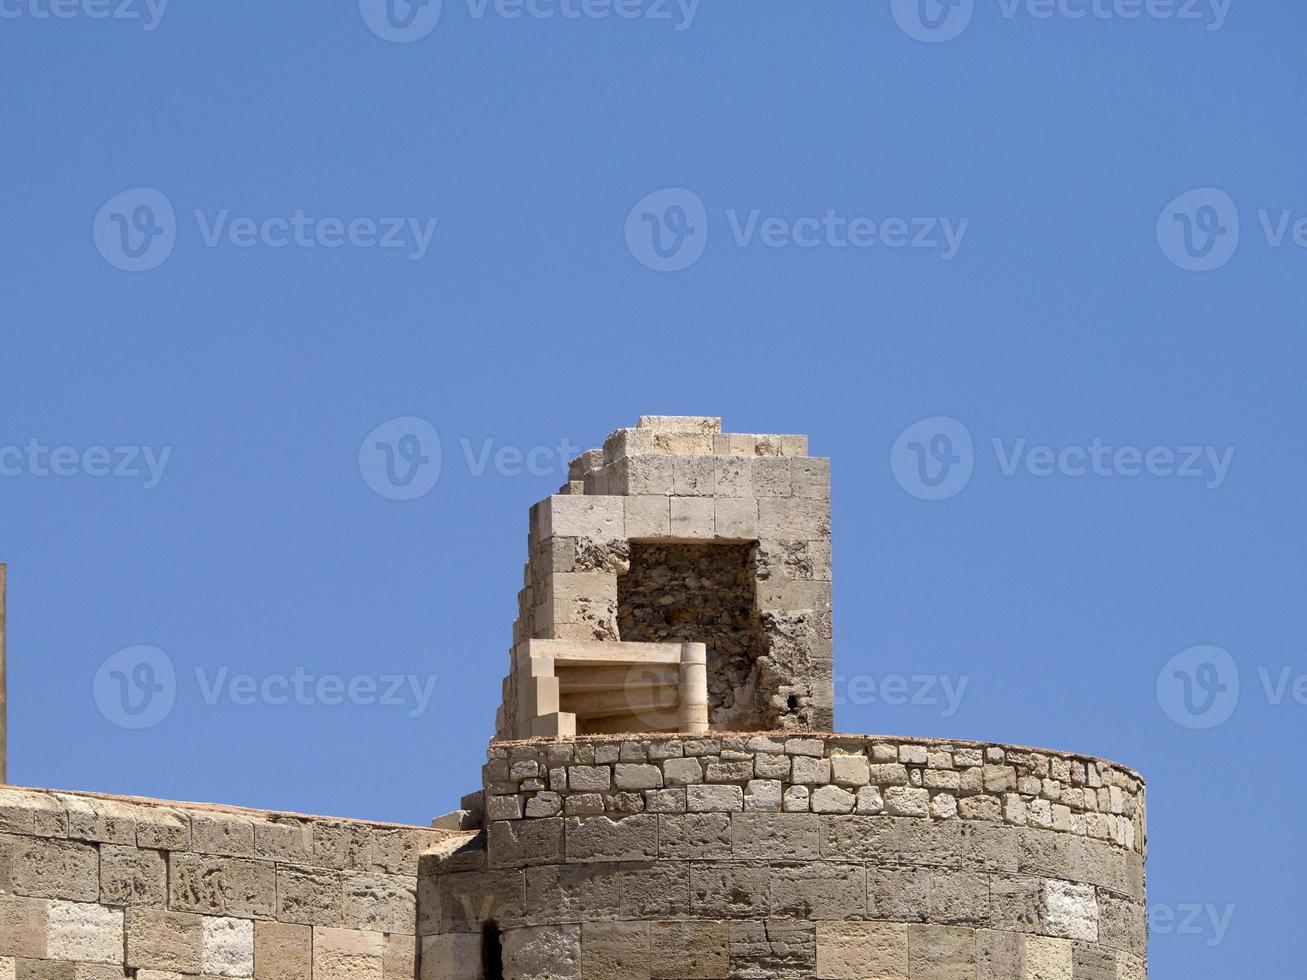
(862, 950)
(134, 876)
(633, 838)
(282, 951)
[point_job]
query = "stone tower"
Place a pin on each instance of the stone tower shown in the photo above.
(664, 799)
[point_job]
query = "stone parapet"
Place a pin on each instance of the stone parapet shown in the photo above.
(95, 887)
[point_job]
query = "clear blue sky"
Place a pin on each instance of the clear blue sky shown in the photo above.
(534, 313)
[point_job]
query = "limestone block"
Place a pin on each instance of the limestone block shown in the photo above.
(819, 890)
(763, 836)
(162, 940)
(23, 812)
(1093, 963)
(133, 876)
(772, 479)
(898, 894)
(23, 926)
(282, 951)
(1048, 959)
(693, 517)
(850, 770)
(768, 766)
(763, 795)
(85, 932)
(797, 799)
(45, 867)
(616, 951)
(733, 771)
(283, 841)
(1016, 903)
(221, 834)
(638, 776)
(714, 799)
(690, 950)
(552, 953)
(641, 475)
(914, 755)
(634, 838)
(107, 821)
(959, 898)
(655, 891)
(589, 779)
(694, 424)
(862, 951)
(904, 801)
(665, 800)
(505, 807)
(888, 774)
(648, 517)
(692, 476)
(8, 968)
(310, 896)
(467, 900)
(601, 518)
(227, 946)
(1071, 910)
(811, 478)
(526, 842)
(941, 952)
(456, 956)
(163, 829)
(811, 771)
(682, 772)
(347, 954)
(733, 476)
(694, 836)
(544, 805)
(729, 889)
(791, 519)
(1000, 956)
(735, 518)
(869, 801)
(380, 903)
(832, 799)
(399, 957)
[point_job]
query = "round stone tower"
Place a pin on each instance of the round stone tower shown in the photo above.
(663, 798)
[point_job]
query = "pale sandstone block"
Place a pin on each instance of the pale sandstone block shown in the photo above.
(763, 795)
(733, 476)
(282, 951)
(693, 517)
(49, 868)
(643, 475)
(163, 829)
(399, 958)
(221, 834)
(648, 517)
(850, 770)
(690, 950)
(811, 478)
(23, 927)
(310, 896)
(227, 946)
(772, 479)
(714, 799)
(941, 952)
(692, 476)
(347, 954)
(456, 956)
(862, 951)
(762, 836)
(616, 951)
(39, 814)
(903, 801)
(682, 772)
(638, 776)
(132, 876)
(633, 838)
(602, 518)
(1048, 959)
(794, 445)
(797, 800)
(697, 424)
(832, 799)
(161, 940)
(870, 801)
(7, 968)
(379, 903)
(914, 755)
(284, 841)
(1071, 910)
(89, 933)
(552, 953)
(811, 771)
(736, 518)
(99, 820)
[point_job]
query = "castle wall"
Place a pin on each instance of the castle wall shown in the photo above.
(98, 888)
(765, 856)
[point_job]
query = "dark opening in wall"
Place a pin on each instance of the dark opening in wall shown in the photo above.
(703, 593)
(492, 952)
